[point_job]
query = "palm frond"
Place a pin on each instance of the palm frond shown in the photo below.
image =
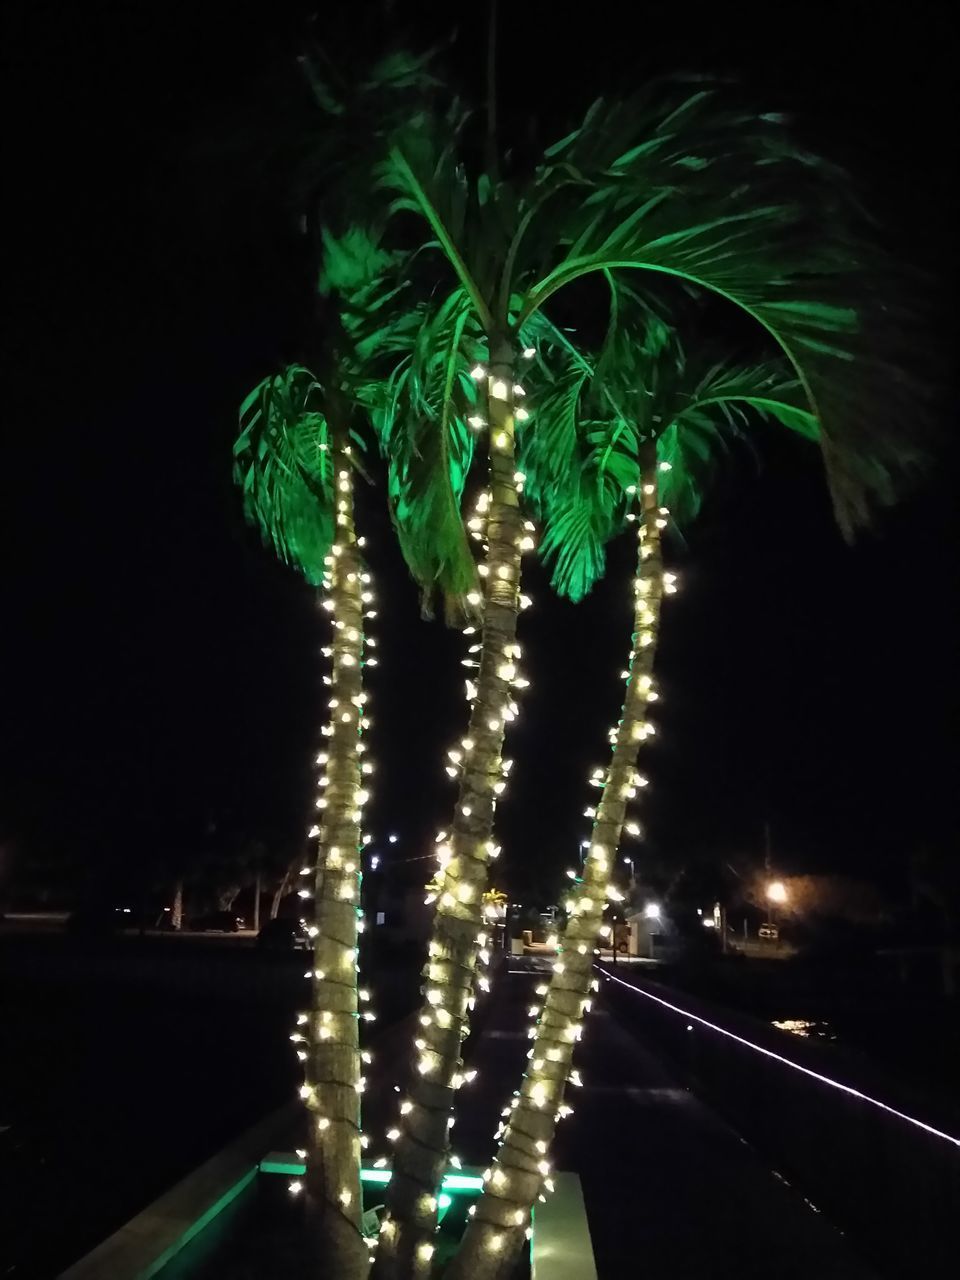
(678, 184)
(575, 535)
(422, 175)
(283, 465)
(421, 422)
(693, 408)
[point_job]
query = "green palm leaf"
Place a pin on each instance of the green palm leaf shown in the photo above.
(693, 409)
(283, 465)
(421, 422)
(675, 183)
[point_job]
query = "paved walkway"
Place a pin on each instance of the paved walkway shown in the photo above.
(670, 1190)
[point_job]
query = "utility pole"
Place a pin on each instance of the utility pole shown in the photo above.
(256, 901)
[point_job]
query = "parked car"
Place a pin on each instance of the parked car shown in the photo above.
(769, 931)
(284, 934)
(218, 922)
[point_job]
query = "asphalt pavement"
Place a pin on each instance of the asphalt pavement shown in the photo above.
(670, 1189)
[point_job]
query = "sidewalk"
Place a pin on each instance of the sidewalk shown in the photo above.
(672, 1193)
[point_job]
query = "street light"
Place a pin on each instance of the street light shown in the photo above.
(652, 911)
(777, 891)
(392, 839)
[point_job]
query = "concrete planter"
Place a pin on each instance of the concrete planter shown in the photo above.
(149, 1244)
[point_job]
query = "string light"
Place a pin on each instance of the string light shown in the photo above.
(455, 973)
(555, 1029)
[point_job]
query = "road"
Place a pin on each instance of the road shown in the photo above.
(135, 1059)
(671, 1191)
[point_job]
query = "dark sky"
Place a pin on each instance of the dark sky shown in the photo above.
(160, 671)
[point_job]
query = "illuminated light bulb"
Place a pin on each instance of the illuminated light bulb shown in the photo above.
(519, 477)
(525, 602)
(295, 1188)
(649, 489)
(521, 414)
(425, 1252)
(501, 439)
(498, 389)
(478, 373)
(474, 597)
(476, 421)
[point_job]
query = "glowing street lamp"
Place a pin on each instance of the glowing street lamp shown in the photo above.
(777, 891)
(652, 911)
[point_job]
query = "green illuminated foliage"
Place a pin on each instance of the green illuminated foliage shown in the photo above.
(282, 463)
(675, 183)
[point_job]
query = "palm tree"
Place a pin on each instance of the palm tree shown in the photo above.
(295, 462)
(295, 459)
(667, 186)
(656, 461)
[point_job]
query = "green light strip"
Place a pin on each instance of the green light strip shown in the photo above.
(196, 1227)
(378, 1177)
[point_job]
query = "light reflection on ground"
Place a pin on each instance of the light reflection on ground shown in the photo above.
(806, 1027)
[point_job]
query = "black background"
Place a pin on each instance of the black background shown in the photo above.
(160, 670)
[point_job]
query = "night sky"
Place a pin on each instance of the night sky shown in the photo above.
(161, 672)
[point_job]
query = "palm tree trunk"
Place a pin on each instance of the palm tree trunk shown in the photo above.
(330, 1044)
(496, 1232)
(423, 1146)
(176, 911)
(281, 889)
